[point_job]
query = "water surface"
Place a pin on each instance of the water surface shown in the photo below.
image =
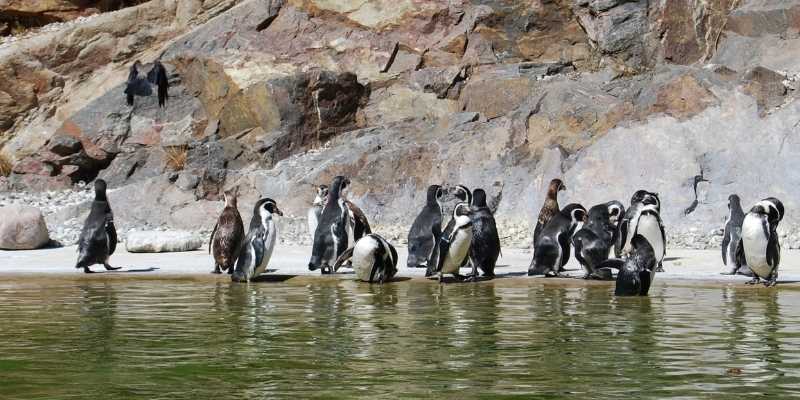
(342, 339)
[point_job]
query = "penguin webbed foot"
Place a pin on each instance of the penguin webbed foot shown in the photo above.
(86, 270)
(216, 270)
(326, 270)
(660, 268)
(110, 268)
(459, 277)
(752, 282)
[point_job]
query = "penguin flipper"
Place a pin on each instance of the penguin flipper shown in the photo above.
(622, 237)
(111, 232)
(773, 251)
(211, 239)
(726, 241)
(348, 254)
(644, 278)
(536, 232)
(740, 256)
(611, 263)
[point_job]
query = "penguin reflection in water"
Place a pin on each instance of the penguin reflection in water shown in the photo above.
(98, 238)
(373, 258)
(552, 251)
(760, 248)
(226, 238)
(258, 244)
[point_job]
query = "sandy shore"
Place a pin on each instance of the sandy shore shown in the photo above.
(290, 262)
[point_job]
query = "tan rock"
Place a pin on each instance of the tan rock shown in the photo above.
(683, 98)
(22, 228)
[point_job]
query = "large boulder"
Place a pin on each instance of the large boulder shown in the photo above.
(22, 228)
(162, 242)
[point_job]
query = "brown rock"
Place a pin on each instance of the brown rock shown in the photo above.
(683, 98)
(766, 86)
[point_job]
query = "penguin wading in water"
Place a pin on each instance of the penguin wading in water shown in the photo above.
(259, 242)
(731, 237)
(98, 238)
(625, 228)
(374, 259)
(552, 251)
(315, 212)
(637, 271)
(426, 230)
(593, 242)
(649, 225)
(226, 238)
(331, 239)
(485, 246)
(454, 244)
(760, 248)
(549, 208)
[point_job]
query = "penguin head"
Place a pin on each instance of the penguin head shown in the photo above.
(322, 195)
(556, 185)
(599, 213)
(100, 190)
(462, 193)
(435, 193)
(338, 185)
(479, 198)
(575, 212)
(615, 211)
(771, 208)
(645, 197)
(230, 197)
(267, 206)
(734, 201)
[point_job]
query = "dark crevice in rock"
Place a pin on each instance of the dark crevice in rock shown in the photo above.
(266, 23)
(695, 181)
(391, 58)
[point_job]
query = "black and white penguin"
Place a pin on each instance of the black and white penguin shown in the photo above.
(637, 271)
(259, 242)
(731, 237)
(760, 247)
(373, 258)
(649, 225)
(98, 238)
(593, 242)
(137, 86)
(553, 248)
(549, 209)
(331, 239)
(315, 212)
(426, 230)
(625, 229)
(485, 246)
(454, 244)
(226, 238)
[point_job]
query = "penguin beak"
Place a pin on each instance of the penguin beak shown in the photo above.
(278, 211)
(562, 187)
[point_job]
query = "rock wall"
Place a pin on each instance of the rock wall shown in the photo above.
(693, 99)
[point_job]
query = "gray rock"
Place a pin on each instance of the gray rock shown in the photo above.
(22, 228)
(162, 242)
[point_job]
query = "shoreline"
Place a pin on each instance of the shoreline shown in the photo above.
(683, 267)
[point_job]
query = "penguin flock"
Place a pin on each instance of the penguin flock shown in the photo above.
(343, 238)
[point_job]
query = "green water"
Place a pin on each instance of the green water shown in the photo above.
(184, 340)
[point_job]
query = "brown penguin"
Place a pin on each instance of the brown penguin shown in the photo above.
(226, 239)
(549, 208)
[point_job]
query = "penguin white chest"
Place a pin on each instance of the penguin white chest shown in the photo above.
(755, 241)
(269, 246)
(650, 229)
(313, 219)
(364, 257)
(459, 248)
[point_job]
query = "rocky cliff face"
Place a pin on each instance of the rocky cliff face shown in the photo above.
(692, 99)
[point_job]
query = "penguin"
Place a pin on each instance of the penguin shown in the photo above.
(638, 200)
(485, 246)
(226, 238)
(616, 211)
(454, 244)
(594, 240)
(426, 230)
(649, 225)
(759, 247)
(315, 212)
(259, 242)
(731, 237)
(374, 259)
(636, 272)
(552, 251)
(98, 238)
(137, 86)
(331, 239)
(549, 208)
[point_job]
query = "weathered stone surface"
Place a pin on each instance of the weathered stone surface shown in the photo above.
(766, 86)
(22, 228)
(162, 241)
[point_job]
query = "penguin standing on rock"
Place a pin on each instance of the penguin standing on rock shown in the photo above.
(594, 240)
(760, 248)
(637, 271)
(454, 244)
(315, 212)
(226, 238)
(374, 259)
(549, 208)
(731, 237)
(259, 242)
(98, 238)
(485, 246)
(552, 250)
(426, 230)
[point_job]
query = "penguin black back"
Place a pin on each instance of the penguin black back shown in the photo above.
(553, 248)
(485, 246)
(330, 238)
(636, 272)
(98, 239)
(595, 239)
(732, 233)
(549, 209)
(426, 230)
